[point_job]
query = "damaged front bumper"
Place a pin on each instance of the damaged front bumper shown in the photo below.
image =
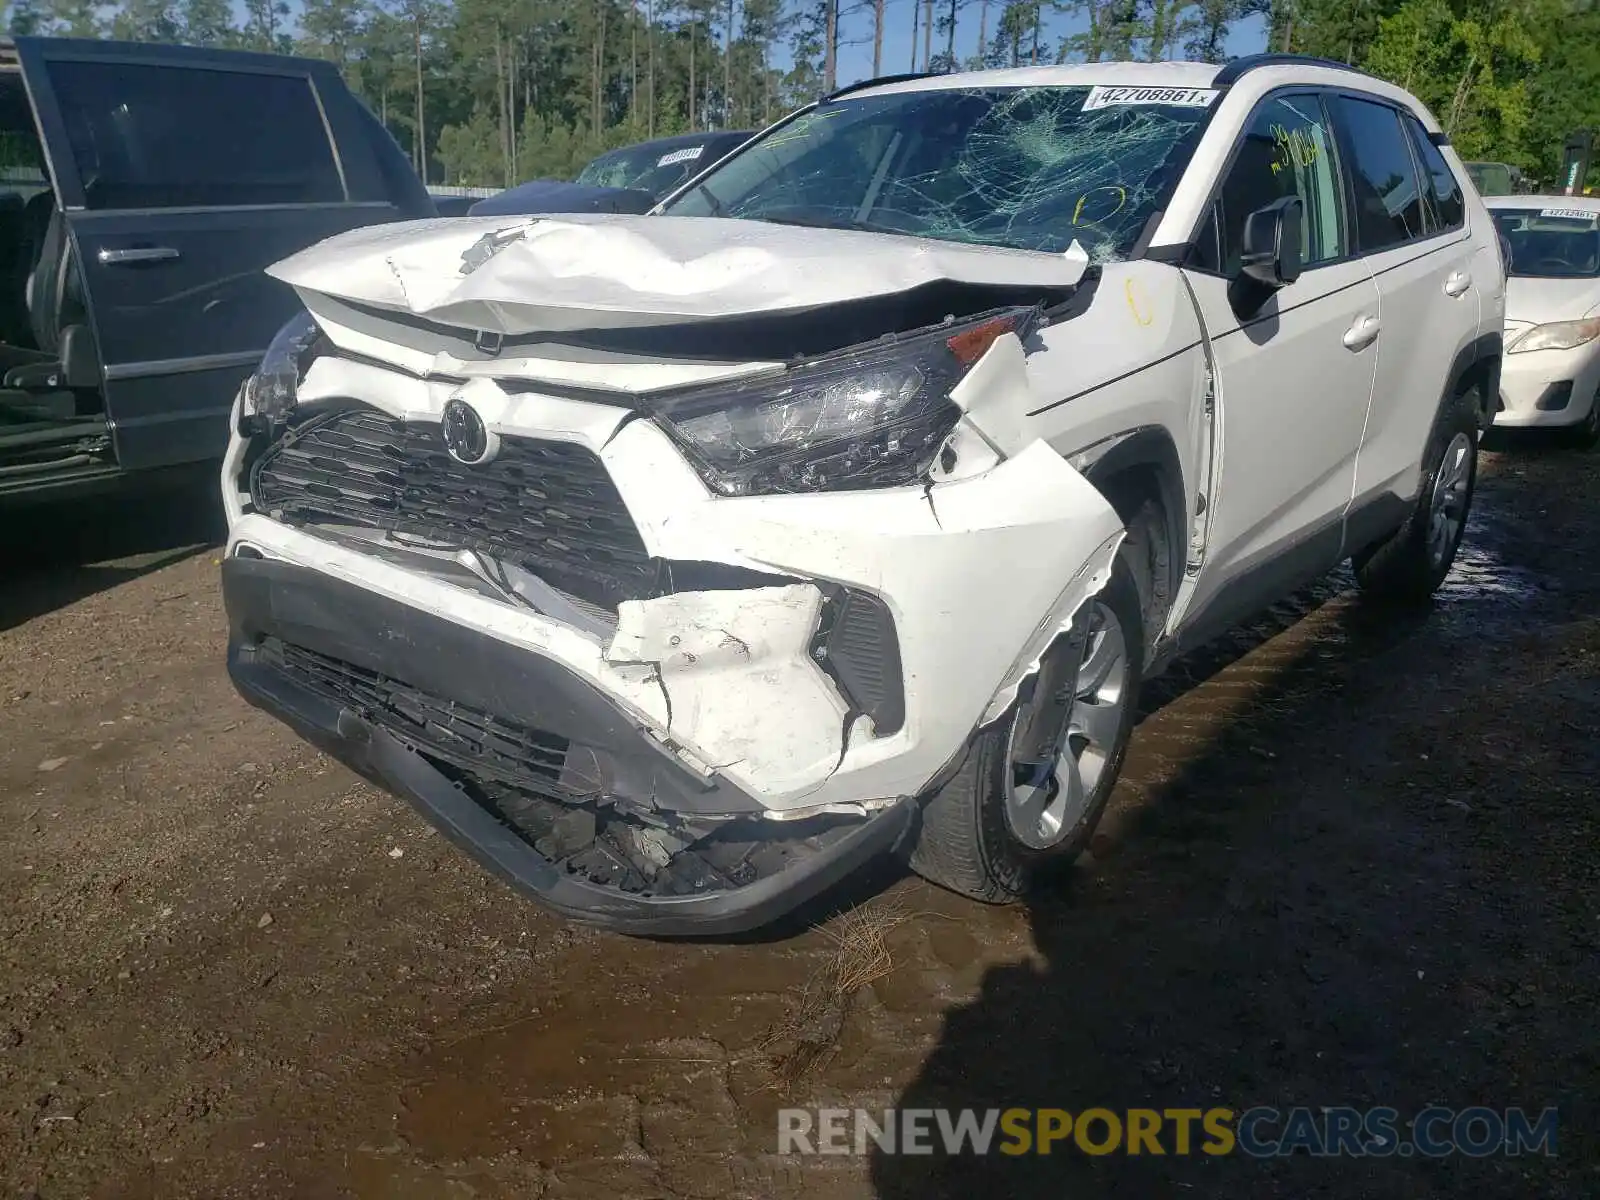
(327, 658)
(698, 709)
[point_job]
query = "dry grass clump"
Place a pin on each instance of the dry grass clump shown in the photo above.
(808, 1038)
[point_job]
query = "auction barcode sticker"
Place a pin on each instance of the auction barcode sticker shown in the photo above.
(677, 156)
(1101, 96)
(1577, 213)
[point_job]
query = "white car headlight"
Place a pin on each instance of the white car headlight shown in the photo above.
(271, 393)
(1557, 335)
(865, 417)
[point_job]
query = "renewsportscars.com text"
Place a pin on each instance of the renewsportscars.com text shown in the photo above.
(1259, 1132)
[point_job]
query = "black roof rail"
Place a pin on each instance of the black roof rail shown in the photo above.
(863, 84)
(1231, 72)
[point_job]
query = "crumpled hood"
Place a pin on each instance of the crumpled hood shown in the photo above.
(1538, 301)
(595, 271)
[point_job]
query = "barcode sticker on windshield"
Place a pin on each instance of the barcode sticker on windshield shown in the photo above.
(1576, 213)
(1106, 97)
(693, 152)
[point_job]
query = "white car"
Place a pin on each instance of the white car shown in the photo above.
(675, 565)
(1551, 376)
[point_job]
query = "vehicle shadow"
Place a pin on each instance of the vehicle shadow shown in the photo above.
(55, 556)
(1289, 912)
(1532, 440)
(1182, 677)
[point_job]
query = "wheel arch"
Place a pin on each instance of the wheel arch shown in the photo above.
(1144, 463)
(1477, 363)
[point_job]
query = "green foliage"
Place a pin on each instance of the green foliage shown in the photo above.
(266, 26)
(1507, 79)
(1470, 68)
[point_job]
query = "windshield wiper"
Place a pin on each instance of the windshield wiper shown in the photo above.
(821, 222)
(711, 199)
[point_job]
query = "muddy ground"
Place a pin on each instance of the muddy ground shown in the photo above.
(1353, 861)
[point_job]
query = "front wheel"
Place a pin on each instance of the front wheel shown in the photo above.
(1409, 566)
(1036, 782)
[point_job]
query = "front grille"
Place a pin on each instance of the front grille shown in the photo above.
(550, 507)
(492, 749)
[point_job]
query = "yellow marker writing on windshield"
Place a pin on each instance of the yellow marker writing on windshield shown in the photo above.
(1122, 199)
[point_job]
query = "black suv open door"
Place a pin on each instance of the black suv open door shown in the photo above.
(179, 174)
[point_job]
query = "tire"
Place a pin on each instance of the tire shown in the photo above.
(1148, 553)
(967, 841)
(1586, 432)
(1408, 567)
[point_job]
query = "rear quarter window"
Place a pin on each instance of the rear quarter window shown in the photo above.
(1442, 191)
(146, 136)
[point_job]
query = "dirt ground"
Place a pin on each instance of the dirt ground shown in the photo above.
(1353, 861)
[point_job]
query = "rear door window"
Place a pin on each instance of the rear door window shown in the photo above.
(1383, 175)
(146, 136)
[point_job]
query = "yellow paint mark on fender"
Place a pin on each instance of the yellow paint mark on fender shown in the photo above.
(1135, 294)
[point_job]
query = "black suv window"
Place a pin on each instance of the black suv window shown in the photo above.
(1445, 207)
(1383, 175)
(148, 136)
(1287, 151)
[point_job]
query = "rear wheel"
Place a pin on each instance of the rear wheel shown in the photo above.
(1036, 782)
(1409, 566)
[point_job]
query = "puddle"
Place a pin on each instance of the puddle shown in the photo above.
(1480, 573)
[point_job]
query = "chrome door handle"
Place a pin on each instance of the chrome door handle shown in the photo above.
(136, 254)
(1458, 282)
(1362, 334)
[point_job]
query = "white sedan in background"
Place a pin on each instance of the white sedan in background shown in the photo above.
(1551, 371)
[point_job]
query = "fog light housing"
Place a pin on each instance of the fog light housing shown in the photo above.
(1555, 397)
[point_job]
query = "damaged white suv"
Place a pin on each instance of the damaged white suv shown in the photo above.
(676, 565)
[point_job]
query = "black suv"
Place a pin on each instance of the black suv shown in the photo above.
(143, 189)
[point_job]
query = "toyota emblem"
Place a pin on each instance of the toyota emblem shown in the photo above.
(466, 438)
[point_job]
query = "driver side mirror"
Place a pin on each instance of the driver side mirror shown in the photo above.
(1270, 249)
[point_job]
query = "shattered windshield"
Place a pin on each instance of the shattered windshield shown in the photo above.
(1028, 168)
(648, 168)
(619, 168)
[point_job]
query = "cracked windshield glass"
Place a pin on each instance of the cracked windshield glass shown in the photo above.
(1031, 168)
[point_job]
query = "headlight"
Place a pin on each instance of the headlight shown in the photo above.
(270, 394)
(867, 417)
(1557, 335)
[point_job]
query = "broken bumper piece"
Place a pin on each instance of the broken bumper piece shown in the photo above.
(519, 762)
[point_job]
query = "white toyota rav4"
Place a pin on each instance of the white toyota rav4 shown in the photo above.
(676, 565)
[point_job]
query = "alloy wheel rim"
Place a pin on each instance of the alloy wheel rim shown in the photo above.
(1447, 508)
(1062, 739)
